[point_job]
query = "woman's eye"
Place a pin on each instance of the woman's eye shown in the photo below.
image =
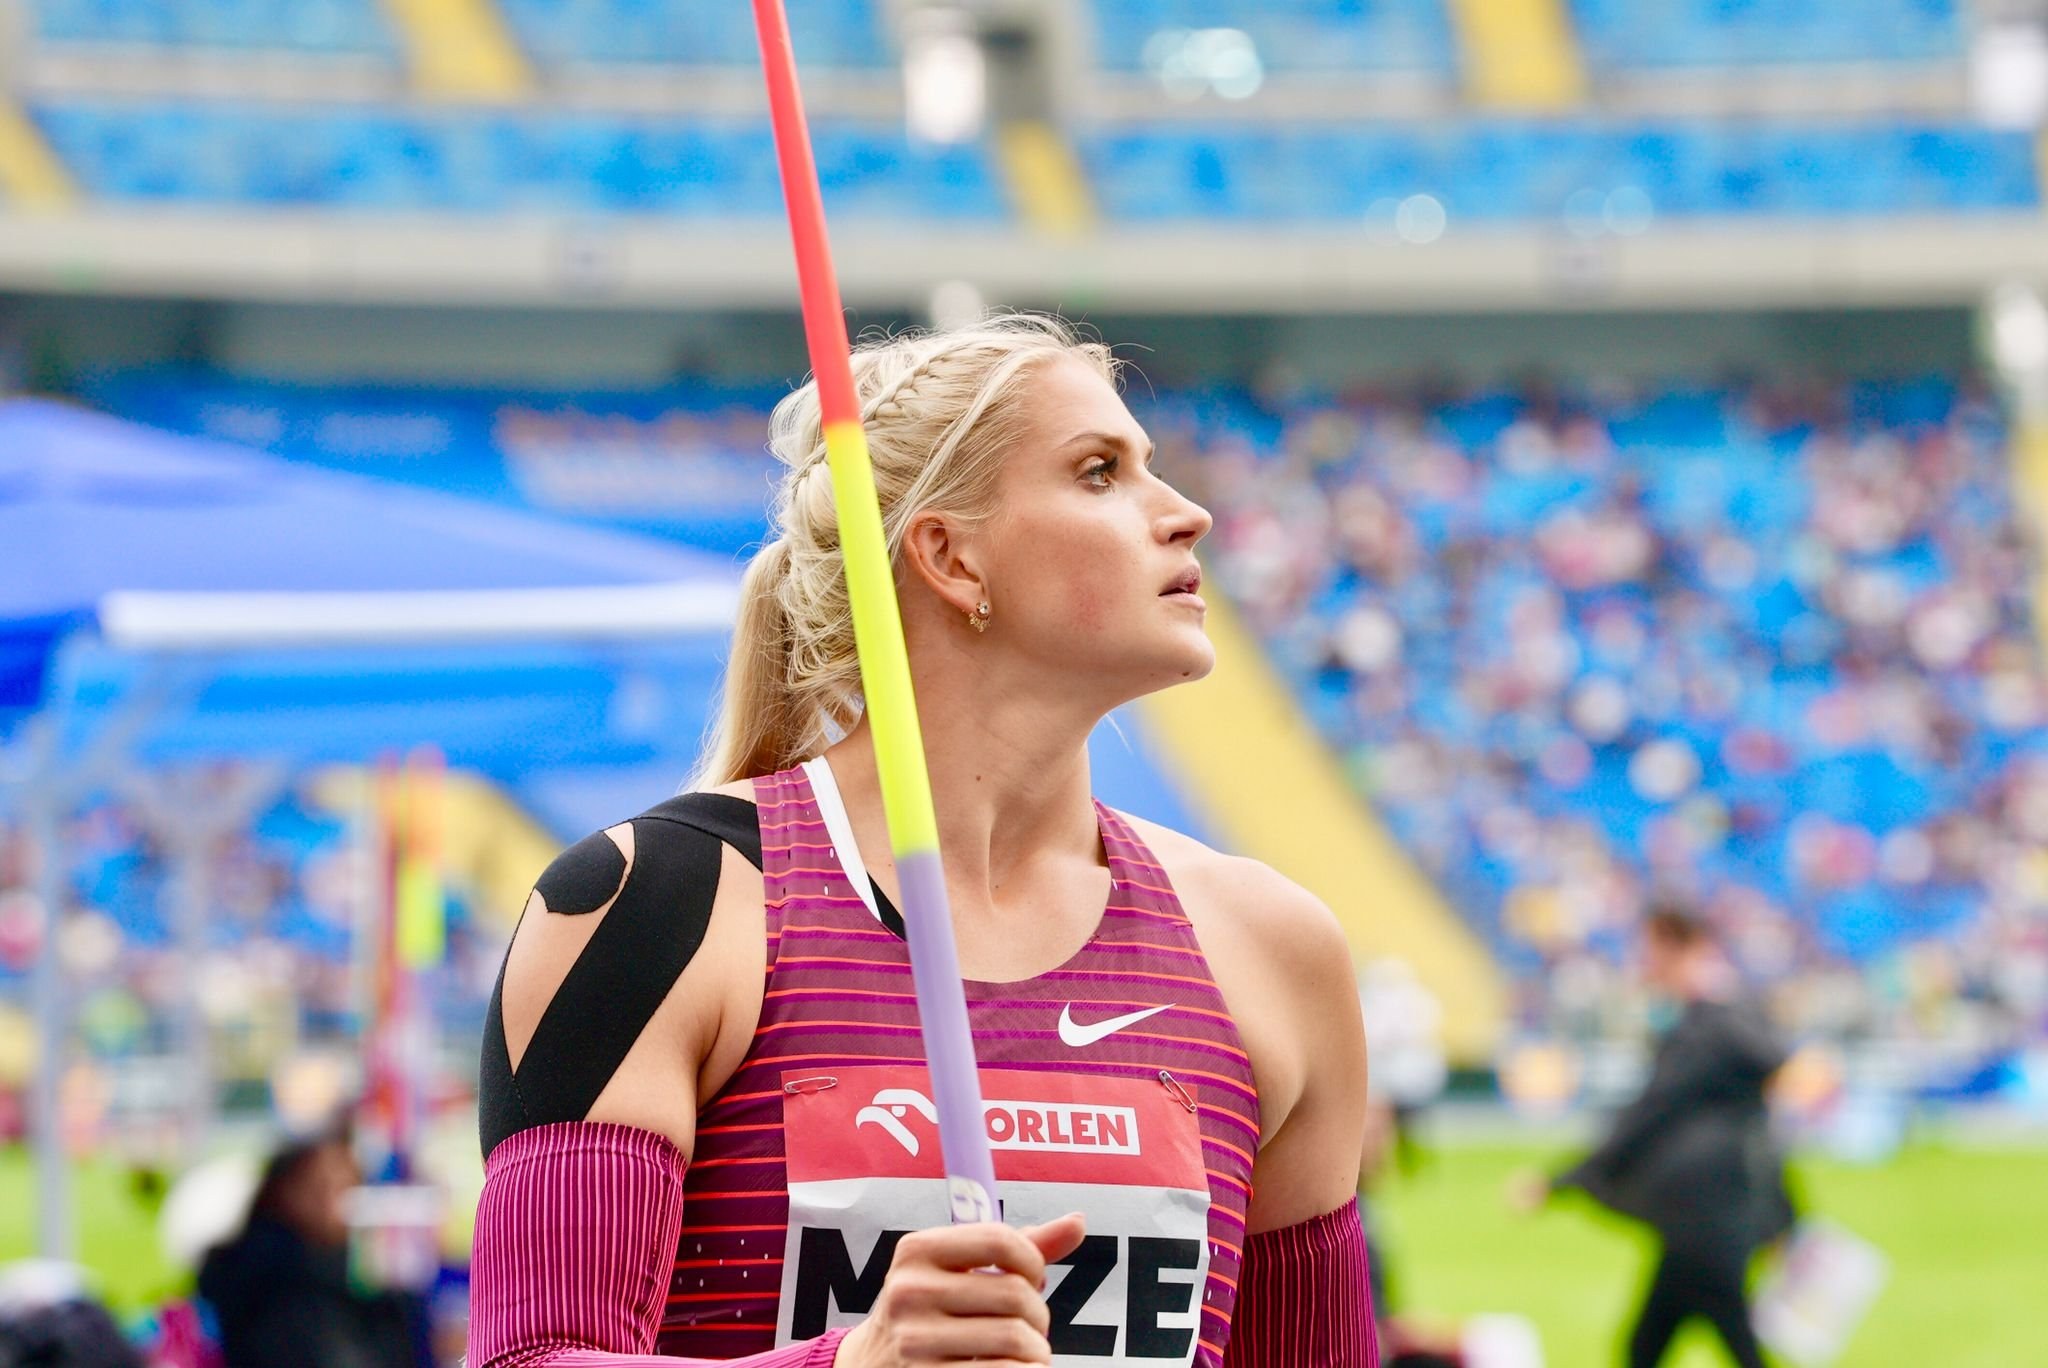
(1101, 473)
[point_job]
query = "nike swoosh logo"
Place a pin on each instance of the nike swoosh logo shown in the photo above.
(1077, 1035)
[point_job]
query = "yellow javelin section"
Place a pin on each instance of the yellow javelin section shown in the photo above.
(460, 49)
(1520, 55)
(1253, 765)
(1045, 178)
(884, 663)
(30, 173)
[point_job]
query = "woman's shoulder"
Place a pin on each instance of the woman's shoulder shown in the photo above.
(738, 788)
(1283, 964)
(1244, 897)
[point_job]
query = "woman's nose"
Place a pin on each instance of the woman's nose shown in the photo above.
(1187, 520)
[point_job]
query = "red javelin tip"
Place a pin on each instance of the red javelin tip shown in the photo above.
(824, 320)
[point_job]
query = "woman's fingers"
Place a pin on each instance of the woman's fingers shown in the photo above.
(949, 1339)
(994, 1294)
(982, 1245)
(965, 1294)
(1057, 1239)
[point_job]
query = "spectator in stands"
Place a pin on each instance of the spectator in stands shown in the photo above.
(1692, 1155)
(281, 1290)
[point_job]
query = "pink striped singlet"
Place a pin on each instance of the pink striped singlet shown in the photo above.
(1115, 1085)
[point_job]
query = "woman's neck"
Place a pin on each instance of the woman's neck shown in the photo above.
(1010, 787)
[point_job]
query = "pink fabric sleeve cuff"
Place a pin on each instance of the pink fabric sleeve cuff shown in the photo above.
(576, 1234)
(1304, 1297)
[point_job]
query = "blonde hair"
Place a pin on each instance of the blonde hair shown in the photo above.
(941, 410)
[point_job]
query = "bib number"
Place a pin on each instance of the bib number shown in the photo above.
(864, 1171)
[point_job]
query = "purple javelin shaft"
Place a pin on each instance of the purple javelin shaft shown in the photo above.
(948, 1039)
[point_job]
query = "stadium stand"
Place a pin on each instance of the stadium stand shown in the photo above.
(1287, 35)
(1618, 34)
(692, 32)
(1495, 171)
(490, 160)
(311, 25)
(513, 152)
(1772, 648)
(1492, 172)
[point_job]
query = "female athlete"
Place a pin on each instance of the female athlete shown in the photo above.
(708, 1127)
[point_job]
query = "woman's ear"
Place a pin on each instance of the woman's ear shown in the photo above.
(942, 561)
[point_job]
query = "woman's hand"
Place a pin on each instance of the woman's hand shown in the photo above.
(960, 1294)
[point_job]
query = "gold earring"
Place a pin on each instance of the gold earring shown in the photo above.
(978, 619)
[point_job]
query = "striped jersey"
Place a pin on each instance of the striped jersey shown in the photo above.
(1115, 1084)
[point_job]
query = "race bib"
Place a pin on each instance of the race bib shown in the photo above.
(864, 1171)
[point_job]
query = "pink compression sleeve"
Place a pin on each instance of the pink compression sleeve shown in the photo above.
(1303, 1297)
(576, 1232)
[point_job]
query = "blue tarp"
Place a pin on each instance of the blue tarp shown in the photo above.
(91, 505)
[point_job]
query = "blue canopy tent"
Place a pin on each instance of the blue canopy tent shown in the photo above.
(271, 606)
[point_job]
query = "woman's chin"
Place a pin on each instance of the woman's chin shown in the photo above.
(1191, 663)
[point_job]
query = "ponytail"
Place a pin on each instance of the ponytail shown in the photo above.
(757, 730)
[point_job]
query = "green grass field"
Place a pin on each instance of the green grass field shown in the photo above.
(1966, 1230)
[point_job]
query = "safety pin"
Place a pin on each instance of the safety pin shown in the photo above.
(814, 1084)
(1175, 1090)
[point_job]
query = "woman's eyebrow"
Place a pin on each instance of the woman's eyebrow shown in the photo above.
(1100, 438)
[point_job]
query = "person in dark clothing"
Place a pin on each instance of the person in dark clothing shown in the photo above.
(48, 1320)
(1692, 1155)
(280, 1289)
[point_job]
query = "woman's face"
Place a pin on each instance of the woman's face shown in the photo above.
(1090, 564)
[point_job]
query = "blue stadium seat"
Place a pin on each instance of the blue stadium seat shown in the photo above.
(312, 25)
(1290, 35)
(487, 161)
(1713, 33)
(1500, 171)
(830, 33)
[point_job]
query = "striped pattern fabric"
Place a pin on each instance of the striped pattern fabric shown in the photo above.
(570, 1264)
(838, 995)
(1307, 1297)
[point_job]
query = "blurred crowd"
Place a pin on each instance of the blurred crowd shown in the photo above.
(266, 989)
(1764, 647)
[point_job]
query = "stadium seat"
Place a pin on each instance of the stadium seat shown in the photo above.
(833, 33)
(1289, 35)
(311, 25)
(1617, 34)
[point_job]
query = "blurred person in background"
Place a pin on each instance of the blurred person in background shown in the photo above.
(280, 1288)
(1692, 1155)
(1404, 1341)
(48, 1319)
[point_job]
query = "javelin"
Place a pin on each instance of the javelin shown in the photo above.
(884, 664)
